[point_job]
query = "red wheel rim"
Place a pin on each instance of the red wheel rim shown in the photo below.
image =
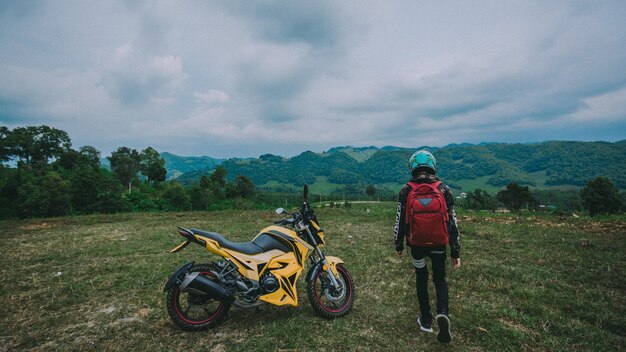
(348, 294)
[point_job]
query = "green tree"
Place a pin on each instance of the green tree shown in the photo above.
(49, 195)
(9, 183)
(95, 190)
(86, 157)
(217, 182)
(200, 198)
(38, 143)
(147, 199)
(479, 200)
(370, 190)
(88, 180)
(90, 155)
(218, 176)
(31, 200)
(600, 196)
(69, 159)
(109, 199)
(5, 148)
(58, 193)
(125, 164)
(205, 192)
(176, 197)
(242, 187)
(85, 189)
(515, 196)
(152, 165)
(205, 182)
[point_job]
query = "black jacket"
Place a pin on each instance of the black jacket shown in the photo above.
(402, 228)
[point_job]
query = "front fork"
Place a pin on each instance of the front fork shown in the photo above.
(322, 260)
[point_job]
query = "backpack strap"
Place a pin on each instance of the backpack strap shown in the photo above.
(443, 195)
(436, 185)
(413, 186)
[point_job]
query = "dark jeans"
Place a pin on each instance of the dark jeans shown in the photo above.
(437, 257)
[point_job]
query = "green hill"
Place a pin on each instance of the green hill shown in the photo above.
(178, 165)
(358, 154)
(490, 166)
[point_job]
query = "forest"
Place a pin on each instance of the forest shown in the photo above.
(50, 178)
(41, 174)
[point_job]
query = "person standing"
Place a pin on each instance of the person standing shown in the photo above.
(426, 221)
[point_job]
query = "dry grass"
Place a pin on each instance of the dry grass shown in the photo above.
(527, 283)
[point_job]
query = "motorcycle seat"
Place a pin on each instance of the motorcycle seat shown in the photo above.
(242, 247)
(269, 242)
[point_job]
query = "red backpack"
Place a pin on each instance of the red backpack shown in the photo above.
(427, 215)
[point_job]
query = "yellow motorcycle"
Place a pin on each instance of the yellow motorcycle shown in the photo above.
(265, 270)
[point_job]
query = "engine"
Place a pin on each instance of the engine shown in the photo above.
(269, 283)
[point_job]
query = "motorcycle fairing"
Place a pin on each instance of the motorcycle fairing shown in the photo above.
(286, 270)
(301, 248)
(285, 266)
(319, 231)
(248, 265)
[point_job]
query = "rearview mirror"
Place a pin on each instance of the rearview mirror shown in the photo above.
(306, 191)
(280, 211)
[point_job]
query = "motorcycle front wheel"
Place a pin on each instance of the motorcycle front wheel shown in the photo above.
(195, 312)
(328, 302)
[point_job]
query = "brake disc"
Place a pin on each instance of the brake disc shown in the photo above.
(336, 294)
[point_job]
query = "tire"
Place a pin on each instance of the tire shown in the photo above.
(183, 307)
(331, 305)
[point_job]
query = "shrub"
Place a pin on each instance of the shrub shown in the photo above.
(600, 196)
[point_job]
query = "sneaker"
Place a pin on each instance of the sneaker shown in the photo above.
(443, 322)
(425, 323)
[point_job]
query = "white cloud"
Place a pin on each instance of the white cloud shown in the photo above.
(282, 77)
(602, 108)
(134, 77)
(211, 96)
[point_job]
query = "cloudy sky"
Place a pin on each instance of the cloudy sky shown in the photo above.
(244, 78)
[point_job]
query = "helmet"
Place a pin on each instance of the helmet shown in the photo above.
(422, 159)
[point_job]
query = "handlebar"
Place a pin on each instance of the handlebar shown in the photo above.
(295, 217)
(288, 221)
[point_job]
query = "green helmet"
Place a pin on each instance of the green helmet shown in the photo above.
(422, 159)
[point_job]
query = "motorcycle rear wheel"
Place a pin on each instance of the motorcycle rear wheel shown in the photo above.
(193, 312)
(328, 303)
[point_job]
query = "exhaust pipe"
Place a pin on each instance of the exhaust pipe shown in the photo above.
(199, 285)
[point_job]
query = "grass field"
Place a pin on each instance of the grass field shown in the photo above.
(323, 186)
(528, 283)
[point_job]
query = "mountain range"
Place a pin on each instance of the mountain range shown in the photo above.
(178, 165)
(489, 166)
